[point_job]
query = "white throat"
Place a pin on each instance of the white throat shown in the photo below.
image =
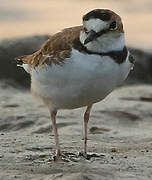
(105, 43)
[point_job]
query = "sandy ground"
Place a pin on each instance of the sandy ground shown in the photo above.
(120, 130)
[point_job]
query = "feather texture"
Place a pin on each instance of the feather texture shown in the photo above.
(54, 50)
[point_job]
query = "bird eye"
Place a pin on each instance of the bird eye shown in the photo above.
(113, 25)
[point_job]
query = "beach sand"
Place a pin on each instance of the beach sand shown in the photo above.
(119, 131)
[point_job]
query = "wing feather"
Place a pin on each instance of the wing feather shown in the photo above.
(55, 50)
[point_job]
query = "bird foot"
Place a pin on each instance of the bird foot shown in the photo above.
(88, 156)
(71, 157)
(65, 157)
(58, 156)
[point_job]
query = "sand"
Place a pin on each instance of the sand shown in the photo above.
(119, 131)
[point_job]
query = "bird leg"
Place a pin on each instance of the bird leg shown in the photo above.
(53, 118)
(86, 119)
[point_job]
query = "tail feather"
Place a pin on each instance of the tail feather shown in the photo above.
(19, 60)
(20, 63)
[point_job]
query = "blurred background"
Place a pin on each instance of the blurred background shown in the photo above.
(25, 25)
(25, 18)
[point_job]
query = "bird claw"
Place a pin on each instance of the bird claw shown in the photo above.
(65, 157)
(71, 157)
(56, 158)
(90, 155)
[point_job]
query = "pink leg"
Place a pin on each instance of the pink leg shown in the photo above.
(86, 119)
(53, 118)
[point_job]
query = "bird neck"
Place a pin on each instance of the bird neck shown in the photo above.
(106, 43)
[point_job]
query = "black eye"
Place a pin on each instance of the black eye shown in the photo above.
(113, 25)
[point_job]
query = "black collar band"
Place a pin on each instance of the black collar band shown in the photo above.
(117, 56)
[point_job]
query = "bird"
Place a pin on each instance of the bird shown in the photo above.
(79, 66)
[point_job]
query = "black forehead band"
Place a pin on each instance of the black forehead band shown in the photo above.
(97, 14)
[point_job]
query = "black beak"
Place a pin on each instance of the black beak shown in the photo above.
(91, 36)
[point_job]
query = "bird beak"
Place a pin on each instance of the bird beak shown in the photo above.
(91, 36)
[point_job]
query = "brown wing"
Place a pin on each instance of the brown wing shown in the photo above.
(54, 50)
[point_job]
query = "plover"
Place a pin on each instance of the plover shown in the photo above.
(80, 66)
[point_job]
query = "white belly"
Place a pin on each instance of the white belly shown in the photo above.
(82, 80)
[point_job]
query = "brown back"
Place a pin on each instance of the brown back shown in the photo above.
(55, 50)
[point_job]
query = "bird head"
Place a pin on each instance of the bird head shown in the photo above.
(100, 23)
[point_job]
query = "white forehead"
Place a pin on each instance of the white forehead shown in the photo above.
(95, 24)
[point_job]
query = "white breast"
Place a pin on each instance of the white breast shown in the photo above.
(82, 80)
